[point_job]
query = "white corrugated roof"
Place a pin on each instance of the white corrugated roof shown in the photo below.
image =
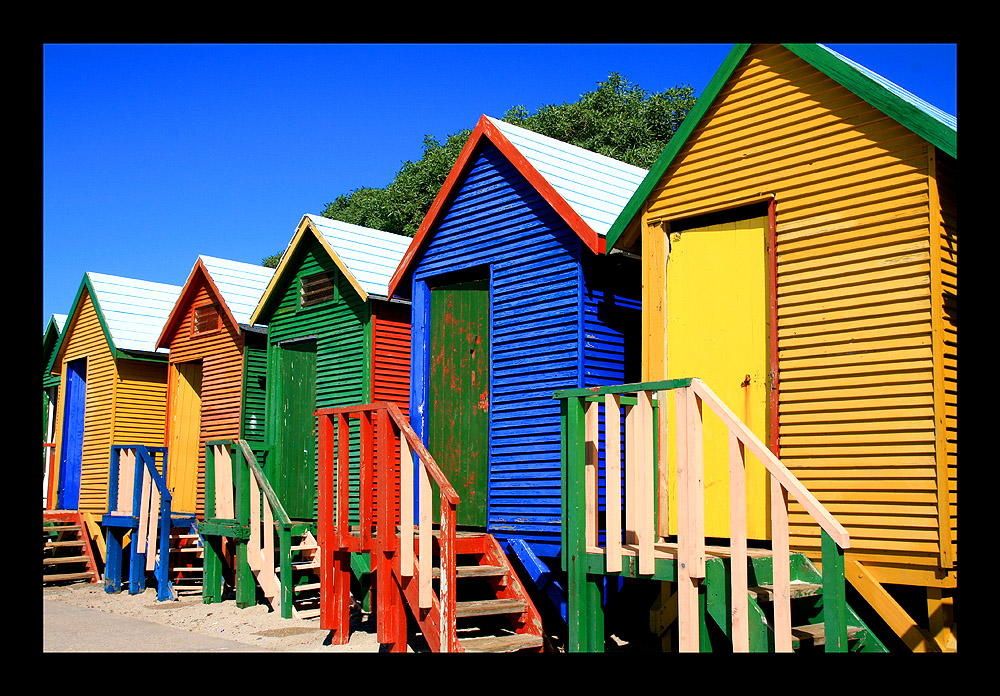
(241, 284)
(597, 187)
(929, 109)
(134, 310)
(370, 255)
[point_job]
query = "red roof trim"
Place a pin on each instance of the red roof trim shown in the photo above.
(486, 130)
(188, 293)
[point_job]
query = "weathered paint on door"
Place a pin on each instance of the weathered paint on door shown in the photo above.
(71, 458)
(459, 392)
(185, 435)
(295, 450)
(717, 330)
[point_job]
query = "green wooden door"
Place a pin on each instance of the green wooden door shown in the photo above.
(459, 393)
(294, 477)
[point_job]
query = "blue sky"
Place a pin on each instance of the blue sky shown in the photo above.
(154, 154)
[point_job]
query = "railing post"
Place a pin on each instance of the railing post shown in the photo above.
(590, 419)
(645, 517)
(584, 618)
(740, 628)
(612, 483)
(246, 588)
(780, 570)
(834, 597)
(449, 633)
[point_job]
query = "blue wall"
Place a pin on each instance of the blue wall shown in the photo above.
(551, 328)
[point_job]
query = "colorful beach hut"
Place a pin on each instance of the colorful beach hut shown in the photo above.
(514, 297)
(50, 402)
(215, 385)
(334, 338)
(799, 254)
(112, 386)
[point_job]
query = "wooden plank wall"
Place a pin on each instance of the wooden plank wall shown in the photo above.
(854, 305)
(339, 329)
(84, 338)
(497, 220)
(221, 354)
(390, 365)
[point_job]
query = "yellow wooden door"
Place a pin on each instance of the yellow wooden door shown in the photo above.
(184, 435)
(716, 327)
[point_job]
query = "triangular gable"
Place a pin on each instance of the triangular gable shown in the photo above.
(587, 190)
(365, 256)
(130, 312)
(50, 338)
(932, 124)
(236, 286)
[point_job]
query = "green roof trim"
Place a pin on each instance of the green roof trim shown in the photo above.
(862, 82)
(848, 74)
(666, 157)
(115, 351)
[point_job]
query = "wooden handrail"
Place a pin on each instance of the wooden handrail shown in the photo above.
(774, 466)
(265, 485)
(642, 494)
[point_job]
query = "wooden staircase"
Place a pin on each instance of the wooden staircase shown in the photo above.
(807, 603)
(66, 552)
(187, 554)
(305, 565)
(493, 612)
(458, 585)
(301, 585)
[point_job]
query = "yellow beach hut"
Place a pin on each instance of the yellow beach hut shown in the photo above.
(112, 383)
(799, 249)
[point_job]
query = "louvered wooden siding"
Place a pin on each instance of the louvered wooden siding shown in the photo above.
(84, 339)
(125, 402)
(254, 387)
(856, 347)
(220, 352)
(497, 225)
(390, 365)
(339, 330)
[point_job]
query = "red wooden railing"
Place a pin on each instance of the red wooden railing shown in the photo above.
(49, 474)
(402, 563)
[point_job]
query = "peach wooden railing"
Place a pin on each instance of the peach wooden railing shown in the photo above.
(638, 531)
(402, 571)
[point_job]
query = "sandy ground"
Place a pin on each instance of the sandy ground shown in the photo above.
(255, 626)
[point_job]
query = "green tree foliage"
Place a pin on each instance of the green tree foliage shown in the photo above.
(618, 119)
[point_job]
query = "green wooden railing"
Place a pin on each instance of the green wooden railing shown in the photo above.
(241, 504)
(637, 535)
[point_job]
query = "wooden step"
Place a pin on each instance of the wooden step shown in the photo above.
(505, 643)
(55, 544)
(59, 528)
(67, 576)
(305, 587)
(796, 588)
(64, 559)
(488, 607)
(474, 571)
(815, 634)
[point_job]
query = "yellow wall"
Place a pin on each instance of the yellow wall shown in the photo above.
(124, 402)
(83, 338)
(855, 300)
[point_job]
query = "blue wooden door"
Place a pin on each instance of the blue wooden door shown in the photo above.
(71, 455)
